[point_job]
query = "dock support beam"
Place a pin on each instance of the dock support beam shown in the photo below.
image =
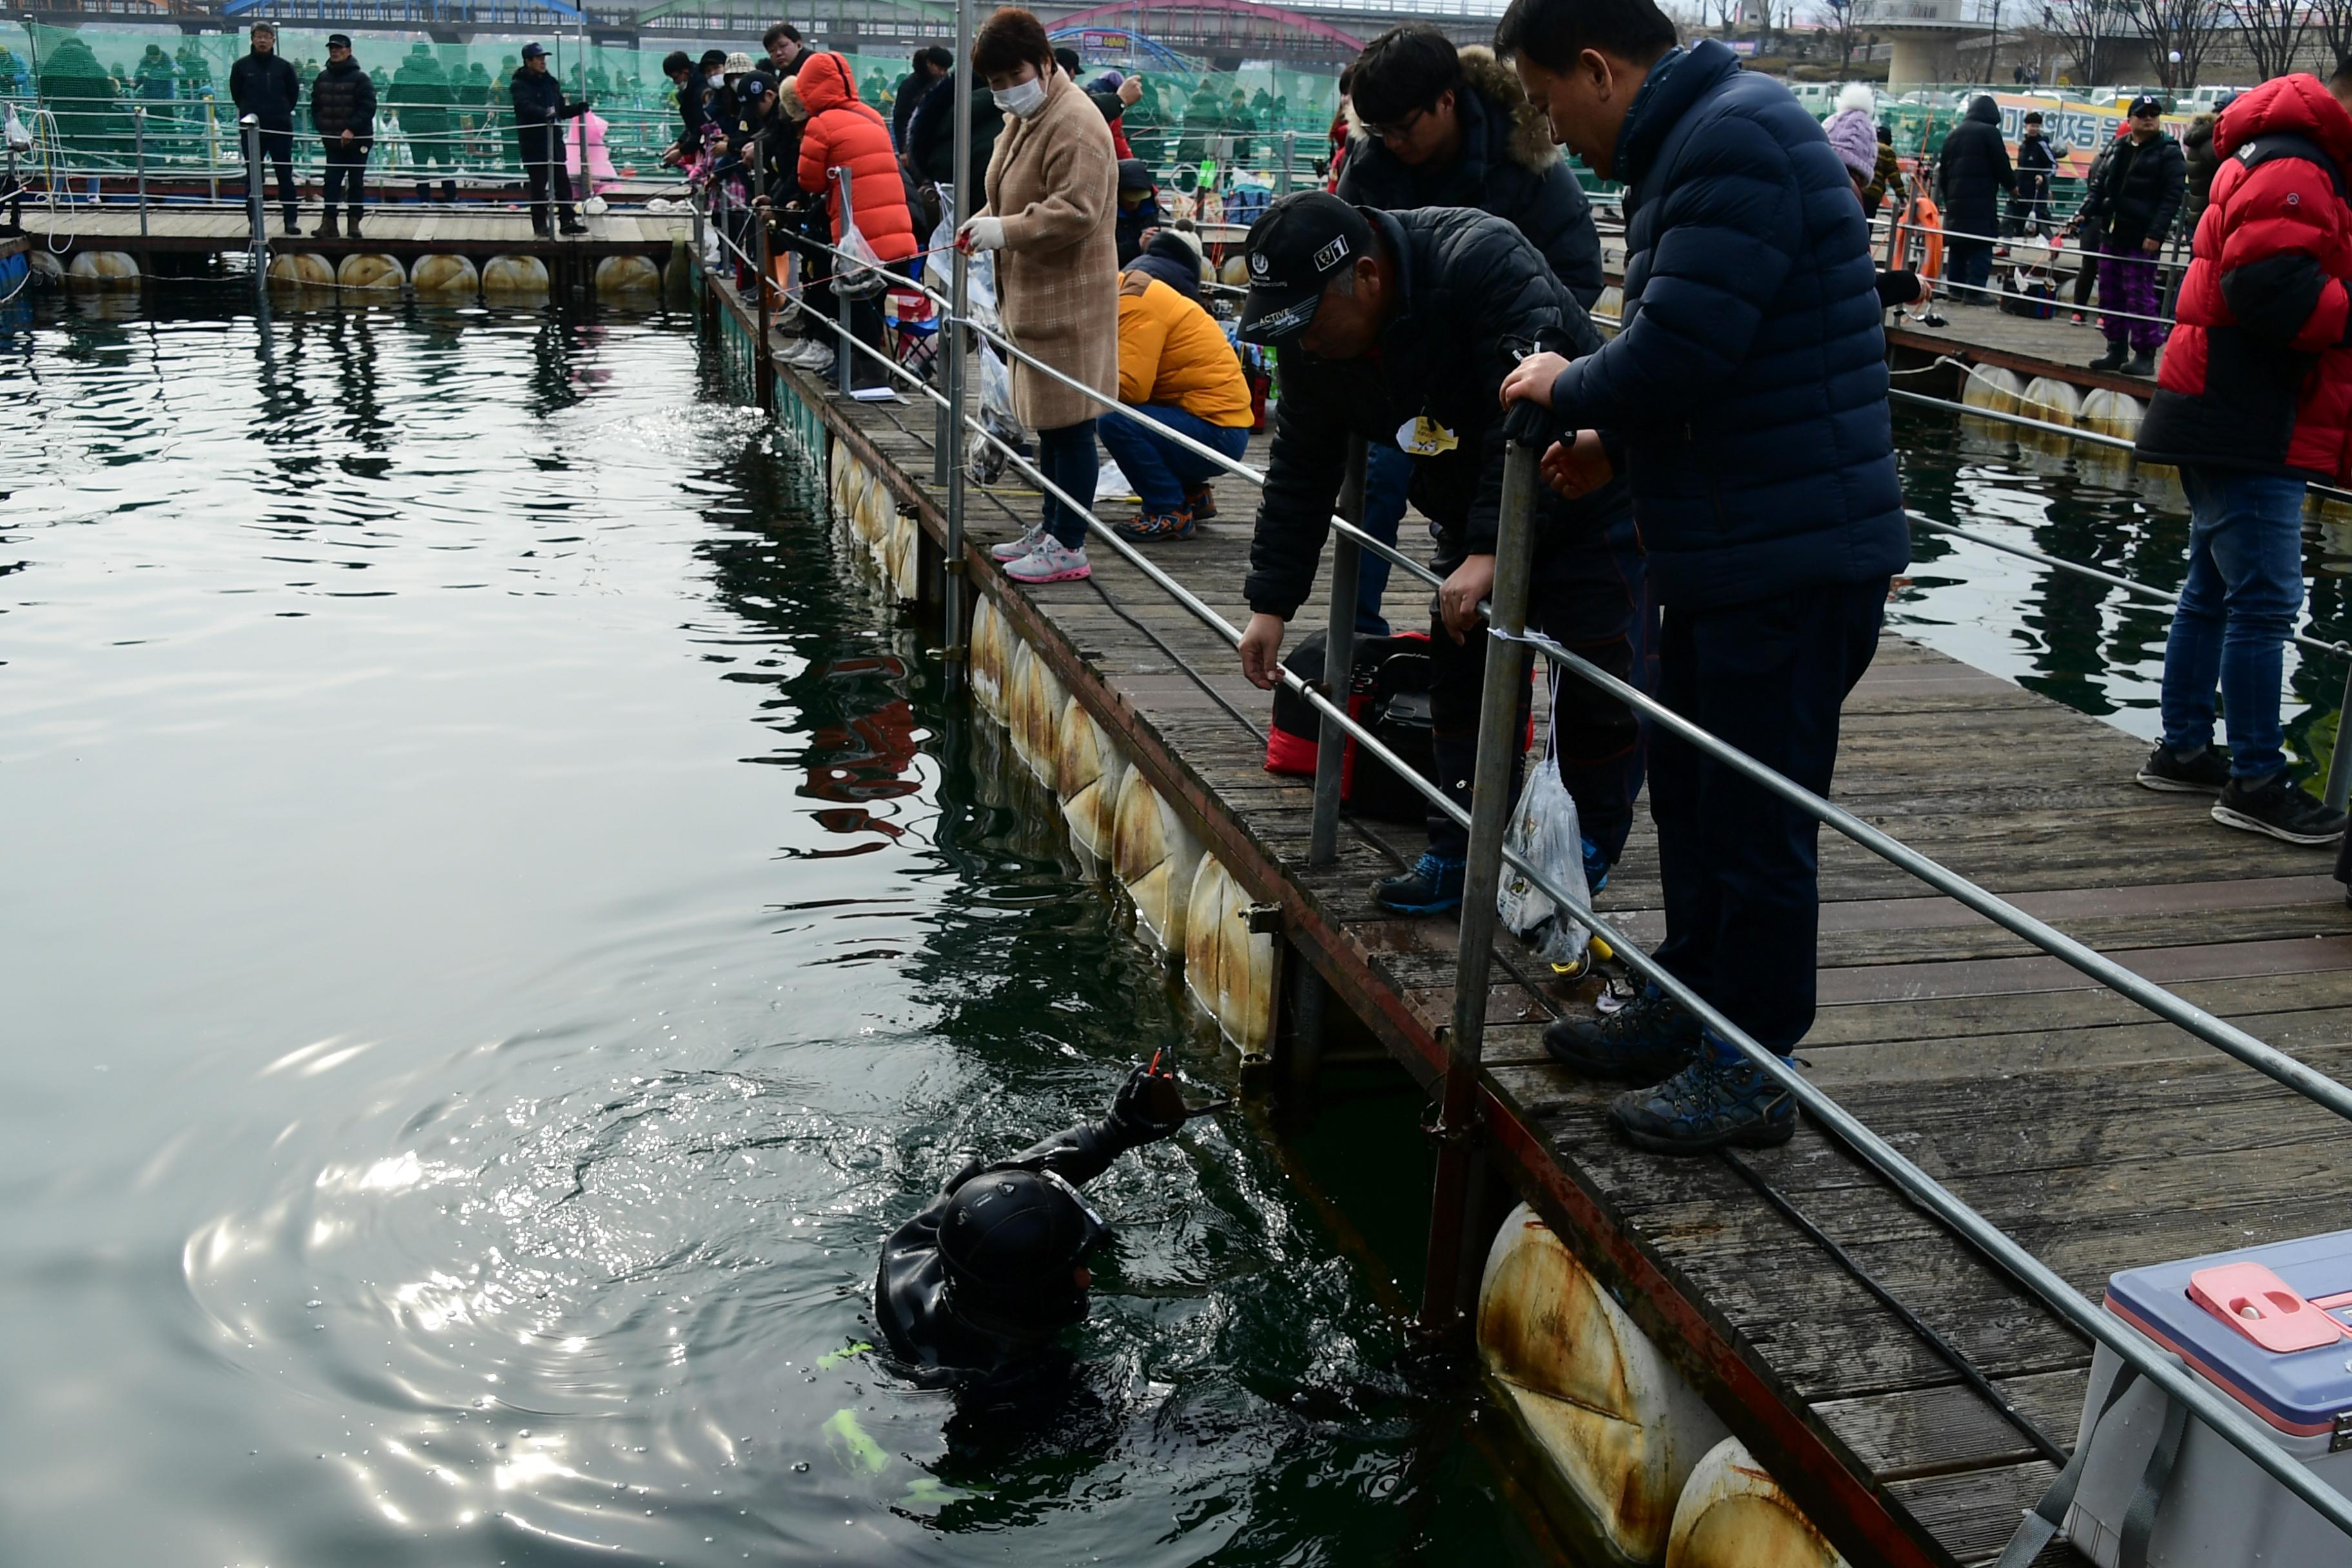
(1338, 664)
(1451, 1240)
(250, 128)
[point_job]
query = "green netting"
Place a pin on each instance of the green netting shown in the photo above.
(443, 105)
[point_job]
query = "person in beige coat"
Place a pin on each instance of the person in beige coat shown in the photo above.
(1051, 218)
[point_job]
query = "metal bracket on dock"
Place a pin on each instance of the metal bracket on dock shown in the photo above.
(1264, 920)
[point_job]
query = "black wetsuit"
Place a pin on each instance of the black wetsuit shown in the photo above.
(937, 1346)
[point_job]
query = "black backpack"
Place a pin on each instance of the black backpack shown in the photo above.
(1387, 693)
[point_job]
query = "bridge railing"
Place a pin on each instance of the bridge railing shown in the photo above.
(1452, 1241)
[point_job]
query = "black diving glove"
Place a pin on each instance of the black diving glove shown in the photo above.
(1148, 1106)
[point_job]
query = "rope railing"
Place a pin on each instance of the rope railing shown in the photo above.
(1484, 822)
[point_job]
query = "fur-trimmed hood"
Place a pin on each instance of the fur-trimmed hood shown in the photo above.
(1532, 146)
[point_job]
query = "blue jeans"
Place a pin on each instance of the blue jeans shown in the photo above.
(1387, 470)
(1162, 472)
(1066, 454)
(2236, 610)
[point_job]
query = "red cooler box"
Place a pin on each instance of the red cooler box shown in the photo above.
(2271, 1328)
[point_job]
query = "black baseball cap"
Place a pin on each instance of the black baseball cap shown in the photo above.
(2146, 104)
(1303, 242)
(339, 40)
(532, 52)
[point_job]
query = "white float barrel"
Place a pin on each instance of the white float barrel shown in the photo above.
(1155, 857)
(1734, 1515)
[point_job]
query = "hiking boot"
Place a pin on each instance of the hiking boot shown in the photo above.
(1431, 887)
(2201, 772)
(1014, 549)
(2142, 363)
(1051, 562)
(2275, 807)
(351, 227)
(1649, 1038)
(1706, 1106)
(2111, 360)
(327, 228)
(1201, 503)
(1596, 865)
(1153, 527)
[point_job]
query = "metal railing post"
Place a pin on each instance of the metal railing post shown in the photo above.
(1499, 736)
(845, 372)
(1339, 663)
(2339, 762)
(763, 369)
(260, 243)
(212, 147)
(139, 161)
(1283, 176)
(951, 447)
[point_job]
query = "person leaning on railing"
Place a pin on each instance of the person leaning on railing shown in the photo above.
(1398, 328)
(1050, 222)
(1746, 401)
(2254, 401)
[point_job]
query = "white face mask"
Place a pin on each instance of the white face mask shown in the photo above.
(1023, 99)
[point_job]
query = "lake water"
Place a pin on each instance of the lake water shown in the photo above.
(498, 921)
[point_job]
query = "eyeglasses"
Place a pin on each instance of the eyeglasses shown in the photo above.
(1398, 132)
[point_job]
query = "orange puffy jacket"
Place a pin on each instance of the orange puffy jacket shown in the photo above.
(843, 134)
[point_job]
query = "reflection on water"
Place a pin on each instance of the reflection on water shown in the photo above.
(499, 923)
(2087, 644)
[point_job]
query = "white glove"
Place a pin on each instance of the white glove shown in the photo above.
(982, 233)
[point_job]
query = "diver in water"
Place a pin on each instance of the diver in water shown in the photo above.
(973, 1290)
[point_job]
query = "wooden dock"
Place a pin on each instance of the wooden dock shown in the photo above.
(2099, 1137)
(392, 228)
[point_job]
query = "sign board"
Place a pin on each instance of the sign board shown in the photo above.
(2079, 128)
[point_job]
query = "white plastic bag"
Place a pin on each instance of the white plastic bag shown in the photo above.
(1545, 832)
(858, 274)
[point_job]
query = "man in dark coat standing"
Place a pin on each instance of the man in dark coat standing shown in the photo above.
(931, 66)
(267, 87)
(540, 113)
(1746, 399)
(2137, 197)
(1970, 171)
(342, 111)
(1398, 328)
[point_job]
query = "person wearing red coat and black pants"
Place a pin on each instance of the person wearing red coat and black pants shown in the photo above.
(844, 133)
(2254, 401)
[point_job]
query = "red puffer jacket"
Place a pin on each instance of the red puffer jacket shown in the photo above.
(2257, 374)
(843, 134)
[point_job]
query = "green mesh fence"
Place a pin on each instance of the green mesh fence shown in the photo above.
(443, 108)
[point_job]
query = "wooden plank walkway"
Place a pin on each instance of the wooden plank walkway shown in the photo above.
(2098, 1136)
(395, 228)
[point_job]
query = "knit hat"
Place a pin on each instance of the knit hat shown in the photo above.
(1173, 257)
(1854, 138)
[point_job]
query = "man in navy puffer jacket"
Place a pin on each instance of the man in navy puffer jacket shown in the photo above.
(1746, 398)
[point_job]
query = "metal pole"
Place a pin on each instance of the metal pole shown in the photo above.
(2339, 762)
(950, 447)
(260, 242)
(1339, 663)
(1490, 804)
(763, 370)
(212, 147)
(844, 369)
(1282, 175)
(138, 159)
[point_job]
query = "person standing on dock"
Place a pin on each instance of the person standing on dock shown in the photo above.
(342, 111)
(2254, 401)
(1442, 125)
(1972, 167)
(2037, 160)
(2135, 197)
(540, 113)
(267, 87)
(1745, 400)
(1398, 328)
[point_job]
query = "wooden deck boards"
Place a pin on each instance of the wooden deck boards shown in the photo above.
(392, 228)
(2099, 1136)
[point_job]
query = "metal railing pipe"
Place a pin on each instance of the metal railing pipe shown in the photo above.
(1500, 693)
(251, 127)
(1338, 664)
(139, 160)
(845, 362)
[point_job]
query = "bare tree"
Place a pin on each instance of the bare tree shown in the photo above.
(2178, 33)
(2275, 31)
(2086, 30)
(1847, 20)
(2332, 25)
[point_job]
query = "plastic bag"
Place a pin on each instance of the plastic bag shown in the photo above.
(1545, 832)
(996, 417)
(859, 274)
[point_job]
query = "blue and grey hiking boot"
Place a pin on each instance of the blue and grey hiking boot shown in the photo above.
(1642, 1042)
(1432, 887)
(1596, 865)
(1708, 1104)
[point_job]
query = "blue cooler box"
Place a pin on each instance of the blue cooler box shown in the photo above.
(2271, 1328)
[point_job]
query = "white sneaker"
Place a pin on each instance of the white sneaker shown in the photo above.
(1051, 562)
(1014, 549)
(808, 354)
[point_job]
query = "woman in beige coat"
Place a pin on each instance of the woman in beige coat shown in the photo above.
(1052, 203)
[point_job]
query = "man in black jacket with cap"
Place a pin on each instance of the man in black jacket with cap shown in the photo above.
(265, 86)
(540, 113)
(972, 1292)
(1400, 328)
(342, 111)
